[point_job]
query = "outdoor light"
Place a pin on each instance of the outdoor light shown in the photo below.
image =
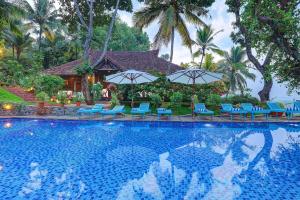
(7, 106)
(7, 125)
(1, 52)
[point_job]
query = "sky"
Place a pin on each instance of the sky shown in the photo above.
(220, 19)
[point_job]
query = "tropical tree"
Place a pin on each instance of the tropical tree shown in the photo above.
(124, 38)
(43, 15)
(204, 40)
(86, 67)
(209, 64)
(8, 12)
(172, 16)
(270, 31)
(235, 68)
(18, 38)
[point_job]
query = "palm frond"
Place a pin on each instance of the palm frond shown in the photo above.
(184, 32)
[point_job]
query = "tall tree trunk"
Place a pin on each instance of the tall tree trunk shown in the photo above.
(40, 37)
(89, 27)
(13, 51)
(172, 49)
(203, 54)
(86, 90)
(264, 94)
(172, 43)
(108, 35)
(18, 52)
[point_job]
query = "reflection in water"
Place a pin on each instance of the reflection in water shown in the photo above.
(7, 125)
(36, 176)
(246, 153)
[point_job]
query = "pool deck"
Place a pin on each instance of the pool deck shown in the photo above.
(187, 118)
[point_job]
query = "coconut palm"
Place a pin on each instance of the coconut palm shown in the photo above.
(43, 15)
(8, 12)
(172, 16)
(18, 38)
(204, 40)
(235, 67)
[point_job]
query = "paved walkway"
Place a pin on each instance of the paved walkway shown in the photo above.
(154, 118)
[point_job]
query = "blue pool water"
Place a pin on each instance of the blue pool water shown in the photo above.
(56, 159)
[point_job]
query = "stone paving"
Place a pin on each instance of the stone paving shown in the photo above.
(186, 118)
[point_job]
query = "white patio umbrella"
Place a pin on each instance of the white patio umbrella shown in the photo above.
(194, 76)
(131, 77)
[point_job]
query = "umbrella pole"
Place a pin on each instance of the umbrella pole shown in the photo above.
(192, 104)
(132, 94)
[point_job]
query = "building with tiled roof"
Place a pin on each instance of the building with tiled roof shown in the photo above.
(114, 61)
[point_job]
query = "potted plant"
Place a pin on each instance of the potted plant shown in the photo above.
(78, 98)
(42, 97)
(62, 98)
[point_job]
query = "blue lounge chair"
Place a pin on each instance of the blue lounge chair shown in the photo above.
(275, 108)
(116, 110)
(163, 111)
(200, 109)
(142, 110)
(228, 108)
(94, 110)
(295, 110)
(255, 110)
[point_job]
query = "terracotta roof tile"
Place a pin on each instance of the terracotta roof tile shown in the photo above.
(124, 60)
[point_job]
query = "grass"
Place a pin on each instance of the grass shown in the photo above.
(8, 97)
(182, 110)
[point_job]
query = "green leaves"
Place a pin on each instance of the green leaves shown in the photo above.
(171, 15)
(124, 38)
(234, 67)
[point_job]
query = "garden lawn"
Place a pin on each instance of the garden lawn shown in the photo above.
(8, 97)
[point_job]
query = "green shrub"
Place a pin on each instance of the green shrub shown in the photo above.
(42, 96)
(114, 100)
(213, 100)
(78, 97)
(62, 97)
(50, 84)
(97, 90)
(11, 71)
(238, 99)
(155, 100)
(195, 99)
(176, 99)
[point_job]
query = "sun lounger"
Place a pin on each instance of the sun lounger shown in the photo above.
(294, 110)
(163, 111)
(200, 109)
(255, 110)
(275, 108)
(94, 110)
(116, 110)
(228, 108)
(142, 110)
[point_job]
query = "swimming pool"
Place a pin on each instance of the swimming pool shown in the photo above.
(61, 159)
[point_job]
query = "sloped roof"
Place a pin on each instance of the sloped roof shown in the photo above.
(123, 60)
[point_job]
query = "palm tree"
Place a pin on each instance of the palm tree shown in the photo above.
(42, 14)
(9, 12)
(171, 15)
(18, 38)
(209, 63)
(235, 67)
(204, 40)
